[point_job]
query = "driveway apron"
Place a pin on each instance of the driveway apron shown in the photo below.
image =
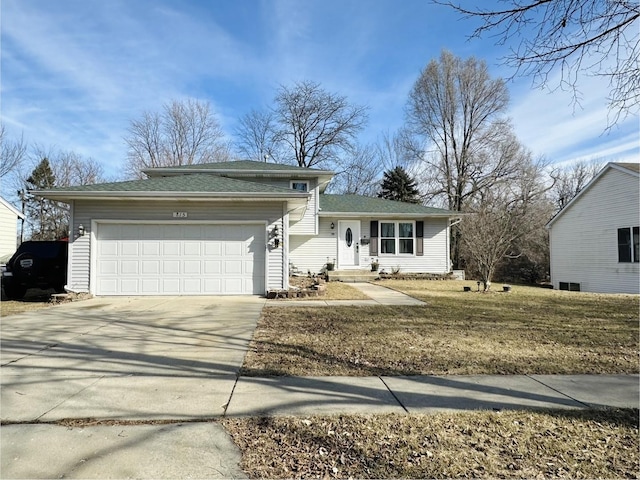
(134, 358)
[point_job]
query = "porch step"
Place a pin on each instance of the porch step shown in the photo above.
(351, 276)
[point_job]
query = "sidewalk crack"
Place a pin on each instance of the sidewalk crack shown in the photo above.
(393, 394)
(226, 405)
(586, 405)
(69, 398)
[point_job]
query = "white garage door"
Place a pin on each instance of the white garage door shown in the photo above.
(180, 259)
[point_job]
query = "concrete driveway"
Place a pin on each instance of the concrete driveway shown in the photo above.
(128, 358)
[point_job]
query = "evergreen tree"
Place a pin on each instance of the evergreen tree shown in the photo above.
(48, 218)
(398, 185)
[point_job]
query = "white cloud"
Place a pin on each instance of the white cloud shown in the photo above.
(551, 125)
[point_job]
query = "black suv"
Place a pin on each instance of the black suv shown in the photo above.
(36, 265)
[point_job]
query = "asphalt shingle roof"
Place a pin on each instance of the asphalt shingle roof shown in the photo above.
(361, 204)
(181, 183)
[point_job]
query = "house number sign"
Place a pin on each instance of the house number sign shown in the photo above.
(180, 214)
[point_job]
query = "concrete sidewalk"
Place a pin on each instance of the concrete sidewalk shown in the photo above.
(203, 449)
(428, 394)
(378, 295)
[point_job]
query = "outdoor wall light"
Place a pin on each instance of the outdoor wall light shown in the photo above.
(81, 230)
(333, 225)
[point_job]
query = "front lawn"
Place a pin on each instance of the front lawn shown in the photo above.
(547, 444)
(527, 331)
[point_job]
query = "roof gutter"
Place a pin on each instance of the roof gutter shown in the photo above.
(75, 195)
(386, 215)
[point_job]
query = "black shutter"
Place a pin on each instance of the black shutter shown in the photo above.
(373, 234)
(420, 238)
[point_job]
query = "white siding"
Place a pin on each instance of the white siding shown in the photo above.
(308, 224)
(310, 253)
(8, 231)
(584, 239)
(84, 212)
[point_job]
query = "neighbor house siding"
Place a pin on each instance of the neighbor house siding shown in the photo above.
(84, 212)
(8, 231)
(310, 253)
(583, 240)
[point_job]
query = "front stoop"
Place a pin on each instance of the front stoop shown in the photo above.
(351, 276)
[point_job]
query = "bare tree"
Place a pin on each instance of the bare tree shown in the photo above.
(183, 133)
(455, 113)
(315, 125)
(502, 218)
(12, 152)
(392, 150)
(358, 173)
(573, 37)
(568, 181)
(256, 136)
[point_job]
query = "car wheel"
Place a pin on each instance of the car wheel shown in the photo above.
(14, 292)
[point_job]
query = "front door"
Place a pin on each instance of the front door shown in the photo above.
(348, 243)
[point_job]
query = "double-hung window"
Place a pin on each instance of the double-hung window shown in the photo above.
(629, 244)
(397, 238)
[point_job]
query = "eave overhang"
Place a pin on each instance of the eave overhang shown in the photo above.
(388, 215)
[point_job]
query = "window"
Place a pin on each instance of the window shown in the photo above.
(397, 238)
(405, 234)
(570, 286)
(629, 244)
(388, 238)
(300, 185)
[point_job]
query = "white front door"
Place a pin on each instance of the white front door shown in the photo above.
(348, 243)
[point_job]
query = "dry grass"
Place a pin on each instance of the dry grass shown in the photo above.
(527, 331)
(34, 300)
(343, 291)
(335, 290)
(551, 444)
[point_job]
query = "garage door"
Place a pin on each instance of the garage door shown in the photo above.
(180, 259)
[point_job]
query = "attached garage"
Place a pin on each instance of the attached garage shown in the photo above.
(179, 259)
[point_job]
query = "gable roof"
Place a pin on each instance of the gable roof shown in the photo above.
(358, 205)
(11, 208)
(628, 168)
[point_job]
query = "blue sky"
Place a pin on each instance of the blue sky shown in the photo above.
(75, 72)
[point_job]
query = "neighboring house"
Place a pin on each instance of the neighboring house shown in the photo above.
(237, 228)
(9, 217)
(594, 239)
